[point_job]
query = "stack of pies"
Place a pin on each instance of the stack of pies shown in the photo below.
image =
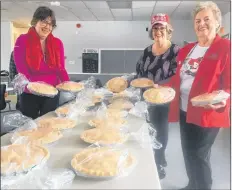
(161, 95)
(107, 122)
(104, 136)
(39, 88)
(70, 86)
(210, 98)
(39, 136)
(142, 83)
(117, 84)
(120, 104)
(57, 123)
(19, 158)
(102, 162)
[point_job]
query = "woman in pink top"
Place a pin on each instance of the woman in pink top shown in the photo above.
(40, 57)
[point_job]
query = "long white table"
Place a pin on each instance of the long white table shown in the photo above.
(144, 175)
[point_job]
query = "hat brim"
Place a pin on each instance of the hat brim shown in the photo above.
(160, 22)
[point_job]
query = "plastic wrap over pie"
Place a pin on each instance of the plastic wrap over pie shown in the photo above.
(103, 162)
(40, 136)
(57, 123)
(142, 83)
(70, 86)
(19, 158)
(210, 98)
(159, 95)
(43, 89)
(117, 84)
(116, 122)
(104, 136)
(62, 111)
(121, 104)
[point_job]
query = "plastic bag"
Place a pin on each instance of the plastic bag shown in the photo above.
(89, 83)
(129, 77)
(19, 83)
(140, 110)
(105, 162)
(42, 89)
(130, 93)
(103, 93)
(120, 104)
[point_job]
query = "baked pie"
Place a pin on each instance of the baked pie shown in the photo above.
(57, 123)
(62, 111)
(40, 136)
(117, 84)
(102, 162)
(160, 95)
(18, 158)
(104, 136)
(70, 86)
(120, 104)
(116, 113)
(107, 122)
(210, 98)
(40, 88)
(142, 83)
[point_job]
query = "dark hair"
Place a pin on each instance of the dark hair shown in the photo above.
(42, 13)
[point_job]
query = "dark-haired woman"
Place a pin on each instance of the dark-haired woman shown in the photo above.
(40, 57)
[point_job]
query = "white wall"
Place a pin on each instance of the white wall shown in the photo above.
(111, 35)
(226, 22)
(6, 44)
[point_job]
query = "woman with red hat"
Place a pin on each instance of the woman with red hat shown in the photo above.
(158, 63)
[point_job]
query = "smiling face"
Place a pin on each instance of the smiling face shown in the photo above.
(44, 27)
(205, 23)
(159, 32)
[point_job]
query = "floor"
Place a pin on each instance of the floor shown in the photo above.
(220, 161)
(176, 175)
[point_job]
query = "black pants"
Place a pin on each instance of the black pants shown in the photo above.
(158, 116)
(34, 106)
(196, 144)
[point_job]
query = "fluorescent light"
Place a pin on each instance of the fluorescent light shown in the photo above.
(55, 3)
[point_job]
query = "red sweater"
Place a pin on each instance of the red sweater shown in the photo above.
(214, 73)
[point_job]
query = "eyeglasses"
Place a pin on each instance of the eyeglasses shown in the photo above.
(45, 23)
(161, 29)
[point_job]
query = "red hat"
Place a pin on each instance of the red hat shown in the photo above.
(160, 18)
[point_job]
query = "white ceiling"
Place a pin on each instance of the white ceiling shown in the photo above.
(109, 10)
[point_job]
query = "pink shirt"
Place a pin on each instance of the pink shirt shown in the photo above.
(45, 74)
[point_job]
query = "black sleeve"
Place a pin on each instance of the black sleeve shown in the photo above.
(139, 73)
(173, 65)
(12, 69)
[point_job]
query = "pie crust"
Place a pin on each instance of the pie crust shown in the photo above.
(62, 111)
(104, 136)
(142, 83)
(102, 162)
(42, 89)
(107, 122)
(159, 95)
(120, 104)
(39, 136)
(70, 86)
(117, 84)
(21, 157)
(57, 123)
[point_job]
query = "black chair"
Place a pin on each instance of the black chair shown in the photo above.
(3, 101)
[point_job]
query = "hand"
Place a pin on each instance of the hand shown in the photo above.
(219, 105)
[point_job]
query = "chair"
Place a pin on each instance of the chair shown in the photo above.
(3, 101)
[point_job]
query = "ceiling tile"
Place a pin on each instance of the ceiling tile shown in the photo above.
(166, 10)
(121, 12)
(119, 4)
(143, 4)
(143, 12)
(96, 4)
(167, 3)
(73, 4)
(103, 14)
(84, 14)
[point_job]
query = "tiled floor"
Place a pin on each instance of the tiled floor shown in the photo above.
(220, 161)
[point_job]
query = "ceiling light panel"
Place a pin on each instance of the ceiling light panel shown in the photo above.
(119, 4)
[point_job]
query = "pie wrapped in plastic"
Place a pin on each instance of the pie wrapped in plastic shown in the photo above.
(18, 158)
(39, 136)
(62, 111)
(104, 136)
(116, 122)
(142, 83)
(41, 88)
(161, 95)
(102, 162)
(57, 123)
(210, 98)
(117, 84)
(121, 104)
(70, 86)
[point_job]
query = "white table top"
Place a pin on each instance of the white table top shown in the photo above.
(144, 175)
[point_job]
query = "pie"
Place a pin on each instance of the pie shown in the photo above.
(210, 98)
(160, 95)
(57, 123)
(21, 157)
(40, 88)
(62, 111)
(102, 162)
(104, 136)
(142, 83)
(70, 86)
(116, 113)
(40, 136)
(120, 104)
(117, 84)
(107, 122)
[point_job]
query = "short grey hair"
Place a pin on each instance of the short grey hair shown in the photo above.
(213, 7)
(169, 32)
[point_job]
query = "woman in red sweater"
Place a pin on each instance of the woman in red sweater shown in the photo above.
(203, 67)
